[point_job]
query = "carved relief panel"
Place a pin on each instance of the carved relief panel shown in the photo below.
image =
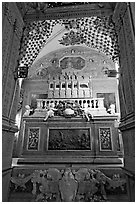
(105, 137)
(69, 139)
(69, 185)
(33, 138)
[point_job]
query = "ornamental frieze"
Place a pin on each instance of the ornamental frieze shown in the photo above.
(68, 185)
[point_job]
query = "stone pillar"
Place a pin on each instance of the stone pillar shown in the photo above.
(12, 25)
(124, 23)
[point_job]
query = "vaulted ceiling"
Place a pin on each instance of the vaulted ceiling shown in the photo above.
(81, 23)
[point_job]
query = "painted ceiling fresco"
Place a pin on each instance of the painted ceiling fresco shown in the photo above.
(79, 60)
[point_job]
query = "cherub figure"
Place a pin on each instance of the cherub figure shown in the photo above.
(87, 111)
(50, 111)
(28, 110)
(111, 109)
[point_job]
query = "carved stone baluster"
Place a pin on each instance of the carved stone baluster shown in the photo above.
(82, 104)
(90, 103)
(101, 102)
(38, 104)
(93, 102)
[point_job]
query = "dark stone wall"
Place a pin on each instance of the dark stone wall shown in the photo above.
(12, 25)
(124, 24)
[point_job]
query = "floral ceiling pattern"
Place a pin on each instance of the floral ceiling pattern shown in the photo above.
(94, 32)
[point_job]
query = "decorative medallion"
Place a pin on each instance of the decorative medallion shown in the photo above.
(72, 62)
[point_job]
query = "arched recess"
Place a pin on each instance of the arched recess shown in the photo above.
(92, 32)
(124, 21)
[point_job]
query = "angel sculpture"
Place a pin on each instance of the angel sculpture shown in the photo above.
(50, 111)
(28, 110)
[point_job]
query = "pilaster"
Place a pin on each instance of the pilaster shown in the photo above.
(12, 26)
(124, 23)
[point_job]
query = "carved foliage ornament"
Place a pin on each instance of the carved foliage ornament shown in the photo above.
(105, 139)
(68, 185)
(33, 138)
(72, 38)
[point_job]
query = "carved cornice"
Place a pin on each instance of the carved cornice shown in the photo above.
(130, 174)
(128, 122)
(69, 12)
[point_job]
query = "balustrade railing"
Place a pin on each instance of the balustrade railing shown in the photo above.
(94, 103)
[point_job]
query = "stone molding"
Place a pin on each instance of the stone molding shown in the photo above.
(14, 18)
(123, 24)
(127, 125)
(9, 125)
(119, 14)
(77, 12)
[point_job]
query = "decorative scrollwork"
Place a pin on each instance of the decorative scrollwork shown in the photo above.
(69, 185)
(72, 38)
(105, 139)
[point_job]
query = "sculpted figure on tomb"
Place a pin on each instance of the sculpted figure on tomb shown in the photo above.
(111, 109)
(87, 111)
(28, 110)
(50, 111)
